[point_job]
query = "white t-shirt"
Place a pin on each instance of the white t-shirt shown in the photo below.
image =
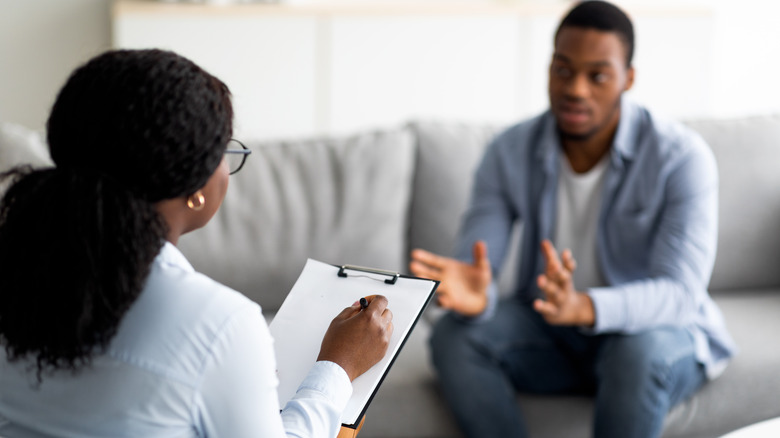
(192, 358)
(579, 204)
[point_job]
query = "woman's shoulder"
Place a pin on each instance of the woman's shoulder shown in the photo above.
(173, 278)
(179, 317)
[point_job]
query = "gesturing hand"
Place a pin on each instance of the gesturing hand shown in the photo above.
(357, 339)
(463, 286)
(562, 305)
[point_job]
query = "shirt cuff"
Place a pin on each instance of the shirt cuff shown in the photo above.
(330, 380)
(609, 308)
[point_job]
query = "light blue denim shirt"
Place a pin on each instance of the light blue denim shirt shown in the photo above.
(192, 358)
(657, 232)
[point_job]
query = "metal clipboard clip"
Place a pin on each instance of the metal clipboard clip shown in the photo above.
(393, 275)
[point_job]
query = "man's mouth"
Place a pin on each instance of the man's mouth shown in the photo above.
(573, 114)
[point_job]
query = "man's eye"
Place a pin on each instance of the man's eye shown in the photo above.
(599, 78)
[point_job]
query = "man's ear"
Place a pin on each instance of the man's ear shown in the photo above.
(629, 79)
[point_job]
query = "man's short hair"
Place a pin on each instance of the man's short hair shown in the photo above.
(602, 16)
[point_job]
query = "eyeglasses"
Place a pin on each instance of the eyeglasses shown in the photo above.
(236, 156)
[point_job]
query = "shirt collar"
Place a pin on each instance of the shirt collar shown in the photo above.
(623, 146)
(550, 148)
(625, 143)
(171, 255)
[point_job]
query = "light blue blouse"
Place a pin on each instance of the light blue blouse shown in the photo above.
(192, 358)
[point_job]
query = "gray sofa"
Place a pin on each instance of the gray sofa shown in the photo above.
(368, 198)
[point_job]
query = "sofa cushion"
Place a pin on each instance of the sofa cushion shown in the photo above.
(339, 200)
(747, 391)
(748, 152)
(447, 155)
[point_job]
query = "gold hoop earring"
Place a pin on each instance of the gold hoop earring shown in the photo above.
(196, 197)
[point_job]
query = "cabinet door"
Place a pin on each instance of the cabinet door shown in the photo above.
(267, 61)
(393, 68)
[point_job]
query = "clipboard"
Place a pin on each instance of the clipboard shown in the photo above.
(320, 293)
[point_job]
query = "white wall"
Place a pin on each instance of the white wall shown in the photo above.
(41, 41)
(745, 54)
(747, 50)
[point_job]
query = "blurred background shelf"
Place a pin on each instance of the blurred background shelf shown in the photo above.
(303, 68)
(331, 67)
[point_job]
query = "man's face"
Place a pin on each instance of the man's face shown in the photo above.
(588, 74)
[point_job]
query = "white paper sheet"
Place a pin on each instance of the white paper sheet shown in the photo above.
(315, 299)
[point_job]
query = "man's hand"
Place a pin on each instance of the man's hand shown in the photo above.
(562, 304)
(463, 286)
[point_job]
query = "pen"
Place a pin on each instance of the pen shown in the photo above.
(363, 303)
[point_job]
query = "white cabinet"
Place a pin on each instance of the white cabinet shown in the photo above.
(305, 69)
(268, 62)
(393, 68)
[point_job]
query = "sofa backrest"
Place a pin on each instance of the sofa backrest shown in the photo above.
(367, 199)
(338, 200)
(748, 154)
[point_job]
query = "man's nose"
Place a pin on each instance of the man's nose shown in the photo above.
(578, 87)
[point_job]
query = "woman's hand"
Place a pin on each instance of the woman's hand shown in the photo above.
(463, 286)
(358, 338)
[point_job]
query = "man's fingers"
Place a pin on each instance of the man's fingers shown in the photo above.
(552, 291)
(568, 261)
(424, 271)
(443, 300)
(429, 258)
(556, 270)
(563, 276)
(550, 256)
(545, 308)
(480, 255)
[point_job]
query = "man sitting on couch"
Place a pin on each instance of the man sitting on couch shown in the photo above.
(633, 199)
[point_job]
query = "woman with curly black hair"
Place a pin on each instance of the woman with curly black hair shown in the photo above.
(105, 328)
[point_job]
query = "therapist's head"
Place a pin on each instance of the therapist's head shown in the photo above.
(128, 131)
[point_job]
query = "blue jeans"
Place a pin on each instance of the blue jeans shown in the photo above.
(636, 379)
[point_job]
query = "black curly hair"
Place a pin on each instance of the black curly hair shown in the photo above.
(128, 129)
(603, 16)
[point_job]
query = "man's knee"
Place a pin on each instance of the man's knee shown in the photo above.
(448, 341)
(645, 362)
